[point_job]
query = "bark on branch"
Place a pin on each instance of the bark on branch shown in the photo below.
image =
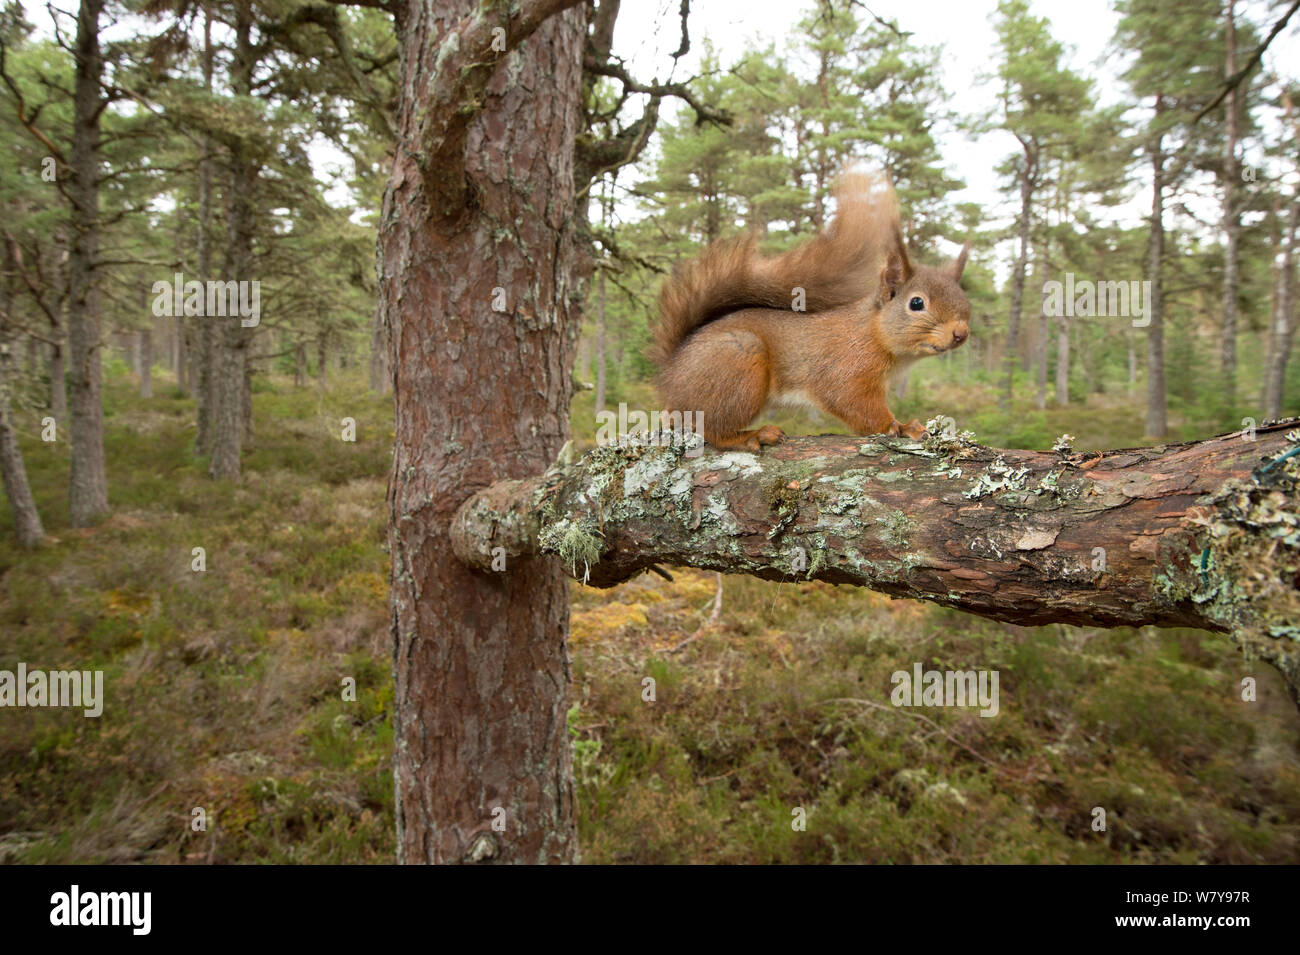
(1202, 534)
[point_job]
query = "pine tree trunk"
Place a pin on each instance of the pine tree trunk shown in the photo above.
(146, 362)
(27, 521)
(601, 372)
(58, 386)
(1042, 336)
(1011, 358)
(1283, 324)
(13, 472)
(1040, 361)
(180, 353)
(1231, 222)
(300, 365)
(481, 757)
(1062, 360)
(88, 479)
(246, 400)
(203, 334)
(231, 338)
(1157, 420)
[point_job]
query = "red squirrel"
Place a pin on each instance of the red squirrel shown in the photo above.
(730, 341)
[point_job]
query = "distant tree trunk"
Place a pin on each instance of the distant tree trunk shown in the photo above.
(1044, 333)
(1062, 360)
(481, 675)
(901, 380)
(601, 372)
(1157, 420)
(246, 392)
(204, 336)
(58, 318)
(380, 380)
(1040, 362)
(88, 479)
(1231, 220)
(179, 353)
(300, 365)
(1283, 325)
(146, 362)
(13, 472)
(27, 522)
(228, 420)
(1011, 358)
(582, 368)
(322, 356)
(58, 386)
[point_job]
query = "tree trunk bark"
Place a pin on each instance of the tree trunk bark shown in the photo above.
(1157, 416)
(146, 362)
(1191, 535)
(300, 365)
(204, 336)
(230, 337)
(246, 394)
(481, 197)
(600, 341)
(27, 521)
(1011, 359)
(1283, 325)
(1231, 221)
(180, 353)
(1062, 360)
(58, 386)
(88, 479)
(13, 472)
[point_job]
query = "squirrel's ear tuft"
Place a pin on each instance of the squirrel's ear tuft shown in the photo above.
(959, 264)
(898, 268)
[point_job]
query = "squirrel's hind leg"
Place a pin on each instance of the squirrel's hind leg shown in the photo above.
(724, 376)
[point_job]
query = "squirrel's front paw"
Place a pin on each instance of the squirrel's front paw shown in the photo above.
(913, 429)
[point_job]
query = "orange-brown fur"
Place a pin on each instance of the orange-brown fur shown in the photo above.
(728, 340)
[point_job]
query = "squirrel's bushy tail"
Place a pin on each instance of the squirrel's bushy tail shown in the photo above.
(833, 269)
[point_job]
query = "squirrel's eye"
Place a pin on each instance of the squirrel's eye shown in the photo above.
(916, 304)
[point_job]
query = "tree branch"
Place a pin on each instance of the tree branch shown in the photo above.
(703, 113)
(1203, 534)
(1236, 78)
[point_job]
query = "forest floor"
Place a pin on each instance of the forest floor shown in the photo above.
(224, 686)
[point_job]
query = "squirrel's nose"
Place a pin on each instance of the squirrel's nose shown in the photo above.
(960, 335)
